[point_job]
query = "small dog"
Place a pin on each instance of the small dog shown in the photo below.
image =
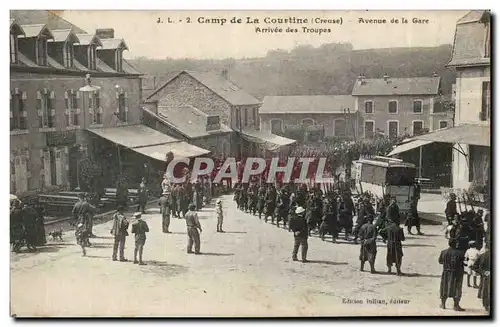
(57, 235)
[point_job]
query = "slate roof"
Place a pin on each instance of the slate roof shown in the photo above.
(87, 39)
(307, 104)
(397, 86)
(469, 47)
(217, 84)
(111, 44)
(189, 120)
(33, 30)
(15, 27)
(52, 20)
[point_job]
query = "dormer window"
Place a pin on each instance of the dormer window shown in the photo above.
(118, 60)
(41, 51)
(13, 49)
(68, 54)
(92, 57)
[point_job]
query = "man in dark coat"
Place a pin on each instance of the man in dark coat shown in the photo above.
(270, 203)
(483, 267)
(395, 237)
(452, 277)
(120, 233)
(173, 200)
(30, 226)
(142, 196)
(261, 200)
(252, 198)
(84, 213)
(283, 207)
(365, 209)
(368, 238)
(298, 225)
(451, 208)
(393, 213)
(40, 223)
(414, 218)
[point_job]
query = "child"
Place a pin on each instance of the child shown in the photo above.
(471, 256)
(139, 228)
(82, 237)
(451, 226)
(220, 216)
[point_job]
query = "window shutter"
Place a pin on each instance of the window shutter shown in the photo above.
(39, 103)
(66, 100)
(59, 166)
(42, 168)
(97, 100)
(24, 98)
(23, 178)
(46, 168)
(52, 103)
(78, 94)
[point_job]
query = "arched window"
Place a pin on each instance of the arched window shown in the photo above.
(340, 128)
(276, 126)
(307, 122)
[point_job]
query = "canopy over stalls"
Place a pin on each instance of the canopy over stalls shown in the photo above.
(148, 141)
(270, 142)
(408, 146)
(464, 134)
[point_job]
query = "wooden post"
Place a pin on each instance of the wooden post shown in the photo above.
(420, 164)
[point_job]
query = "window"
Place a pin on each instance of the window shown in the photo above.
(122, 107)
(417, 106)
(13, 49)
(95, 108)
(369, 129)
(68, 55)
(308, 122)
(486, 102)
(72, 111)
(369, 107)
(277, 126)
(418, 127)
(393, 128)
(18, 112)
(238, 118)
(53, 166)
(45, 107)
(19, 173)
(340, 128)
(443, 124)
(245, 117)
(118, 59)
(92, 57)
(393, 107)
(41, 51)
(487, 45)
(255, 117)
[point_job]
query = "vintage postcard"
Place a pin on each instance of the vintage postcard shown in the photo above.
(250, 163)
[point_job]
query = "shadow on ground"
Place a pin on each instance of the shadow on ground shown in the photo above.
(326, 262)
(217, 254)
(163, 268)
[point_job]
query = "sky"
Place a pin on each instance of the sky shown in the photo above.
(180, 39)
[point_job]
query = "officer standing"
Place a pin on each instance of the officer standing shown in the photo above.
(193, 225)
(299, 227)
(165, 205)
(119, 232)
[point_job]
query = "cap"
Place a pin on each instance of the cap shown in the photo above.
(192, 206)
(219, 201)
(299, 210)
(80, 225)
(137, 215)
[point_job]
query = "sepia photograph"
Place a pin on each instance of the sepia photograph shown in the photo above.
(208, 163)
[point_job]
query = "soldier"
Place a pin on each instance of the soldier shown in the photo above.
(237, 195)
(483, 267)
(165, 204)
(393, 213)
(395, 237)
(193, 225)
(283, 206)
(451, 208)
(298, 225)
(183, 199)
(253, 198)
(121, 193)
(244, 197)
(139, 228)
(452, 276)
(119, 232)
(29, 221)
(414, 219)
(16, 226)
(220, 216)
(84, 212)
(142, 196)
(174, 200)
(270, 203)
(261, 199)
(368, 238)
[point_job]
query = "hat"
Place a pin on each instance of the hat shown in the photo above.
(219, 201)
(192, 206)
(137, 215)
(80, 225)
(299, 210)
(472, 243)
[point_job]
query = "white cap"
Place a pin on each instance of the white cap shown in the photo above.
(219, 200)
(299, 210)
(137, 214)
(80, 225)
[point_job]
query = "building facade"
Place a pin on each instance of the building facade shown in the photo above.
(309, 118)
(400, 106)
(49, 114)
(471, 59)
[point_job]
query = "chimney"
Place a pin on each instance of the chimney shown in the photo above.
(105, 33)
(386, 78)
(361, 79)
(224, 73)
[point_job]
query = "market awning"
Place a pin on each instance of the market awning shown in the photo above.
(408, 146)
(270, 141)
(147, 141)
(464, 134)
(179, 149)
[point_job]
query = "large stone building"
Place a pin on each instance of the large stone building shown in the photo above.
(399, 106)
(49, 58)
(471, 163)
(309, 117)
(226, 108)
